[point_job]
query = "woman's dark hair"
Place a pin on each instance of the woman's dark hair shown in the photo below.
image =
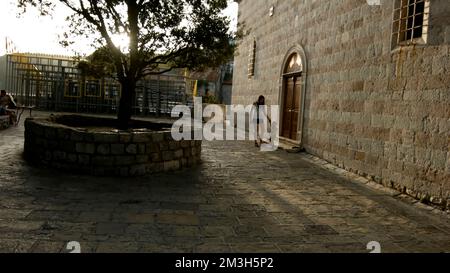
(261, 98)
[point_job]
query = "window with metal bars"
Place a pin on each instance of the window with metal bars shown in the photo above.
(411, 22)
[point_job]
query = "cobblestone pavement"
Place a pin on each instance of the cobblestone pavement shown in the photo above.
(239, 200)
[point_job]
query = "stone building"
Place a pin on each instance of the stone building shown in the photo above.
(363, 84)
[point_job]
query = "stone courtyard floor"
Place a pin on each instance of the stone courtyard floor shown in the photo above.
(238, 200)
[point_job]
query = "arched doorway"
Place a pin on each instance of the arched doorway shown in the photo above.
(292, 97)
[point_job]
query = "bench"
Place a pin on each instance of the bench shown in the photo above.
(20, 109)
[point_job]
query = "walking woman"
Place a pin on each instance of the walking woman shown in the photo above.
(259, 111)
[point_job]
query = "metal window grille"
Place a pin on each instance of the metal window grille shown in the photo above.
(411, 18)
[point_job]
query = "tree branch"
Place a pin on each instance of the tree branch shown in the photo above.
(152, 73)
(116, 17)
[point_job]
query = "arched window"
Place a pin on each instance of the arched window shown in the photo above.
(294, 64)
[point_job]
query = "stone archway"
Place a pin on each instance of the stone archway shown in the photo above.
(292, 95)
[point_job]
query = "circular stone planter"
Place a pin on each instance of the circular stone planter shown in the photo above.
(4, 122)
(81, 144)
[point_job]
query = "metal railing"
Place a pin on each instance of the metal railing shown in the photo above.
(53, 83)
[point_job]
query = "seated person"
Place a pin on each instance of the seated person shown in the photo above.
(7, 102)
(12, 102)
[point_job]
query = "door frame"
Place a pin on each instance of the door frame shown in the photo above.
(296, 81)
(282, 84)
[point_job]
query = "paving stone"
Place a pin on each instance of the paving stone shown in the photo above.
(106, 247)
(218, 231)
(8, 245)
(212, 248)
(238, 200)
(93, 216)
(250, 231)
(48, 247)
(186, 231)
(165, 248)
(20, 226)
(320, 230)
(179, 206)
(24, 246)
(55, 215)
(134, 218)
(254, 248)
(17, 214)
(110, 228)
(175, 219)
(218, 221)
(303, 248)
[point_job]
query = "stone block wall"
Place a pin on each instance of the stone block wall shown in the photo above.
(378, 111)
(4, 122)
(107, 154)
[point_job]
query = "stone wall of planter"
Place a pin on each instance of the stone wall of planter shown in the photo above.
(120, 153)
(4, 122)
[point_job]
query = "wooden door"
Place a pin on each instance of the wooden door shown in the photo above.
(291, 108)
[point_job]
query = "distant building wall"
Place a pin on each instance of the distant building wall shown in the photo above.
(227, 94)
(2, 72)
(371, 108)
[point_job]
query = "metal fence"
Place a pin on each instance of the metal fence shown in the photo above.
(53, 83)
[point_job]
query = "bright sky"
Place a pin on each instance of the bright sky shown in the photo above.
(36, 34)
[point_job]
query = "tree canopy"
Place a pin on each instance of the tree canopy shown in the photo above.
(190, 34)
(177, 33)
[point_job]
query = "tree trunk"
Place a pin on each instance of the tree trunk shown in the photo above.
(126, 104)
